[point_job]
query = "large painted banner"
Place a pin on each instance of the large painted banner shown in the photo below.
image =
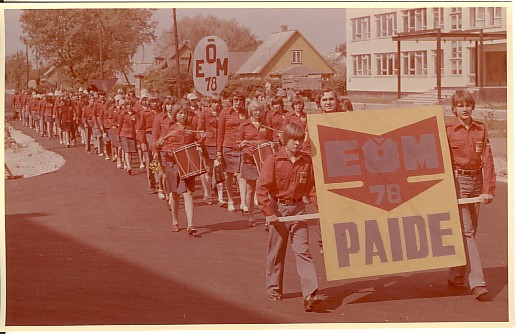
(386, 194)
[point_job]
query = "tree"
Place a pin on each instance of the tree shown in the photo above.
(16, 69)
(193, 29)
(163, 81)
(71, 39)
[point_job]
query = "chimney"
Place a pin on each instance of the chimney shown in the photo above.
(284, 28)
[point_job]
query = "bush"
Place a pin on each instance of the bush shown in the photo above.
(247, 86)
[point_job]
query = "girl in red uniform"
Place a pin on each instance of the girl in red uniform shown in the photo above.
(66, 116)
(127, 134)
(229, 121)
(275, 116)
(207, 122)
(251, 133)
(115, 114)
(175, 134)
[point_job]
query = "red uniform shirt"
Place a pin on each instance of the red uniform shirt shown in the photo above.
(41, 107)
(49, 109)
(105, 118)
(116, 114)
(207, 122)
(178, 136)
(65, 113)
(470, 150)
(285, 180)
(33, 105)
(87, 113)
(247, 131)
(274, 119)
(127, 125)
(157, 127)
(229, 120)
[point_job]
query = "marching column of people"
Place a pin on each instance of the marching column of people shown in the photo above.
(264, 150)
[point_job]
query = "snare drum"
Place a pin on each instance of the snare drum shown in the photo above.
(189, 161)
(262, 151)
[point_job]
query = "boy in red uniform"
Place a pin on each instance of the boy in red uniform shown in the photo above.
(285, 178)
(473, 166)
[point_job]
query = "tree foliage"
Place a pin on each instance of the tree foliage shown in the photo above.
(16, 69)
(193, 29)
(71, 39)
(164, 81)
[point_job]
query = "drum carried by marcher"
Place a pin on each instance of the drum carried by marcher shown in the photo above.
(262, 151)
(189, 161)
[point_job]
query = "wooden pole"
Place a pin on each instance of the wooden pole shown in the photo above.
(176, 41)
(438, 74)
(398, 61)
(28, 67)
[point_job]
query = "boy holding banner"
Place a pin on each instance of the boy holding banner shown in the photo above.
(286, 177)
(474, 176)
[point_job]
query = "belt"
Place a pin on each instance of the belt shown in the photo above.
(468, 171)
(288, 201)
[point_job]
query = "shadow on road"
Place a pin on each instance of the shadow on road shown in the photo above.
(80, 285)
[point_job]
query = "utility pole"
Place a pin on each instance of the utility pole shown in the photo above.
(178, 74)
(28, 67)
(100, 49)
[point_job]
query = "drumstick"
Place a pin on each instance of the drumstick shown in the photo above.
(268, 127)
(316, 215)
(298, 217)
(254, 142)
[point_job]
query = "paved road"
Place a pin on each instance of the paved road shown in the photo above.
(87, 245)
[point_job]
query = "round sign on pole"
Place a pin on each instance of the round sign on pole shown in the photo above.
(211, 70)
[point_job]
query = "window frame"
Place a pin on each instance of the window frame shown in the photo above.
(297, 57)
(386, 24)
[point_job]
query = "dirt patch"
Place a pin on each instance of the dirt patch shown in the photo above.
(24, 156)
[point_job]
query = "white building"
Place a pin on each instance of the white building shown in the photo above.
(472, 41)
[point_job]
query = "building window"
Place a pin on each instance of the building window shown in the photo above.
(361, 65)
(438, 18)
(296, 57)
(361, 28)
(434, 53)
(456, 18)
(386, 64)
(414, 19)
(386, 25)
(456, 57)
(485, 17)
(414, 63)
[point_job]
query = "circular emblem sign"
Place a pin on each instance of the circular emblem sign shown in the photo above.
(210, 71)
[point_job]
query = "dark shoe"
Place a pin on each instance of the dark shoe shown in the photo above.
(129, 171)
(457, 285)
(275, 297)
(479, 292)
(191, 230)
(310, 302)
(266, 227)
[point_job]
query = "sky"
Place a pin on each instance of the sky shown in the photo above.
(324, 28)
